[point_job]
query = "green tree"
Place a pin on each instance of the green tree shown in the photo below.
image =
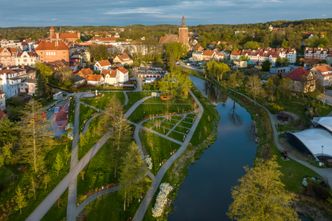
(35, 135)
(20, 199)
(254, 86)
(58, 164)
(133, 180)
(282, 62)
(8, 132)
(261, 195)
(251, 45)
(266, 65)
(99, 52)
(46, 181)
(285, 44)
(216, 69)
(174, 51)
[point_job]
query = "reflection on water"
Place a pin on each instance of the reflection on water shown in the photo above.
(206, 191)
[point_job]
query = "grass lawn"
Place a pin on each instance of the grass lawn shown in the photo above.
(133, 97)
(177, 136)
(156, 107)
(102, 101)
(109, 207)
(85, 114)
(98, 172)
(158, 148)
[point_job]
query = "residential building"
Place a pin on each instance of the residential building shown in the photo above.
(10, 44)
(70, 36)
(323, 73)
(28, 86)
(102, 65)
(149, 72)
(119, 75)
(103, 40)
(50, 51)
(123, 59)
(303, 81)
(317, 53)
(7, 56)
(26, 58)
(262, 54)
(10, 81)
(94, 79)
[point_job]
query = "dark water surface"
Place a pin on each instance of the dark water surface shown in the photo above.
(206, 191)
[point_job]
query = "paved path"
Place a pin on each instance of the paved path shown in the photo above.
(55, 194)
(177, 124)
(93, 197)
(91, 106)
(72, 189)
(326, 173)
(87, 124)
(139, 215)
(126, 98)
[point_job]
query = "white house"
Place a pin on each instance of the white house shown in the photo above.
(26, 58)
(10, 82)
(116, 76)
(102, 65)
(28, 86)
(323, 73)
(123, 59)
(94, 79)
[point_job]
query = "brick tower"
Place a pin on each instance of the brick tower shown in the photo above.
(183, 33)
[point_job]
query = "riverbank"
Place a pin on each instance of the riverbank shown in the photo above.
(204, 136)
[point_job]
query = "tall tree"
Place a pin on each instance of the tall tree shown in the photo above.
(36, 138)
(261, 195)
(254, 86)
(58, 164)
(99, 52)
(133, 179)
(20, 199)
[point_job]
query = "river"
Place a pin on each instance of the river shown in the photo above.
(205, 193)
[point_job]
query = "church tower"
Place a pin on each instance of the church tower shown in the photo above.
(184, 33)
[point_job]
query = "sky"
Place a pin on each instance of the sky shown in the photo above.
(151, 12)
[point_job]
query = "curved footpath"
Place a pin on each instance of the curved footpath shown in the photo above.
(40, 211)
(326, 173)
(139, 215)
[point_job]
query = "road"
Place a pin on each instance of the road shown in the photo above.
(56, 193)
(326, 173)
(139, 215)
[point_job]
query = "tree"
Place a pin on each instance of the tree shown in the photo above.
(285, 44)
(58, 164)
(251, 45)
(133, 180)
(282, 62)
(99, 52)
(174, 51)
(254, 86)
(261, 195)
(216, 69)
(35, 135)
(266, 65)
(8, 132)
(20, 199)
(33, 186)
(46, 181)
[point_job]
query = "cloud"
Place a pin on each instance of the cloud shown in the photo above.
(138, 10)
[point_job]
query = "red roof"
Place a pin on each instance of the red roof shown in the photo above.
(84, 72)
(52, 45)
(208, 52)
(112, 73)
(122, 69)
(66, 35)
(298, 74)
(93, 77)
(323, 68)
(104, 63)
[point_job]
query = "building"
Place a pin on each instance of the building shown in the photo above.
(149, 72)
(94, 79)
(182, 36)
(103, 40)
(26, 58)
(10, 81)
(50, 51)
(70, 37)
(123, 59)
(323, 73)
(28, 86)
(303, 81)
(102, 65)
(8, 56)
(116, 76)
(317, 53)
(262, 54)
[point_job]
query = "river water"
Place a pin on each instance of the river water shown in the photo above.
(205, 194)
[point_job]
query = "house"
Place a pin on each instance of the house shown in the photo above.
(316, 53)
(26, 58)
(28, 86)
(102, 65)
(303, 81)
(149, 72)
(50, 51)
(123, 59)
(119, 75)
(103, 40)
(7, 56)
(85, 72)
(94, 79)
(10, 82)
(323, 73)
